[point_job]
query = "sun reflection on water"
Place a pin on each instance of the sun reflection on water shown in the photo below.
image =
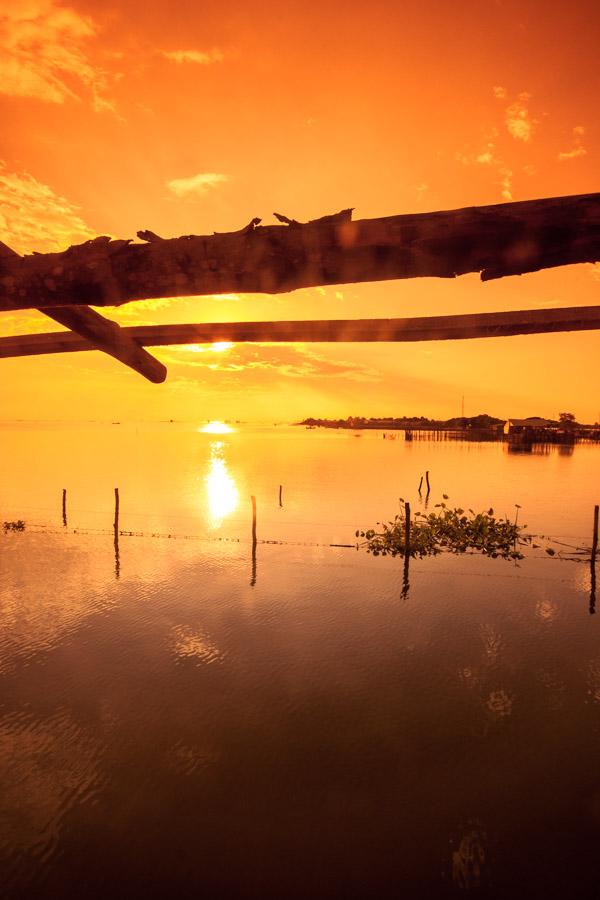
(220, 486)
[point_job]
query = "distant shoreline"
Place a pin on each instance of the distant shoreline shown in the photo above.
(483, 426)
(404, 423)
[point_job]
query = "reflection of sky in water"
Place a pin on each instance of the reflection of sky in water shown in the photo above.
(161, 708)
(196, 645)
(220, 486)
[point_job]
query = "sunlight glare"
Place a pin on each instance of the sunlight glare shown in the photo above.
(216, 428)
(220, 486)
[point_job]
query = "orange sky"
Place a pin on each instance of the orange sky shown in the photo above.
(193, 117)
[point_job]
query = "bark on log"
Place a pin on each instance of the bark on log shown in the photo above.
(505, 239)
(102, 333)
(426, 328)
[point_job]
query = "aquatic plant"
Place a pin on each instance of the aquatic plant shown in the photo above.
(18, 525)
(452, 530)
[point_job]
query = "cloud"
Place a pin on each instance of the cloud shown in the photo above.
(193, 56)
(33, 217)
(43, 54)
(506, 183)
(578, 149)
(572, 154)
(195, 184)
(518, 121)
(27, 321)
(261, 362)
(499, 92)
(485, 157)
(139, 310)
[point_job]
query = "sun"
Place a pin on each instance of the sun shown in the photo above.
(216, 428)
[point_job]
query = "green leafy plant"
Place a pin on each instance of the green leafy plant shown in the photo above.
(451, 530)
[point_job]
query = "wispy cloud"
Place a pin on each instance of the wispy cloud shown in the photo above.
(199, 57)
(506, 183)
(262, 362)
(577, 149)
(26, 321)
(518, 120)
(138, 312)
(195, 184)
(33, 217)
(484, 157)
(43, 54)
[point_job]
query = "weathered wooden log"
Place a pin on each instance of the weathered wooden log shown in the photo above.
(422, 328)
(101, 333)
(505, 239)
(105, 335)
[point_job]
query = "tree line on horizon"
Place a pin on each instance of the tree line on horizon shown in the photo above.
(565, 420)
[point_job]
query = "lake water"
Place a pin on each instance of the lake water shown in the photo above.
(182, 718)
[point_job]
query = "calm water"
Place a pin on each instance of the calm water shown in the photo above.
(206, 724)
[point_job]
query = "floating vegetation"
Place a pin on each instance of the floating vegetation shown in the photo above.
(452, 530)
(19, 525)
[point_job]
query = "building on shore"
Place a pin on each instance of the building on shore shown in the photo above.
(533, 428)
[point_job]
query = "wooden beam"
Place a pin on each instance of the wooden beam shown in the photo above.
(427, 328)
(102, 334)
(495, 241)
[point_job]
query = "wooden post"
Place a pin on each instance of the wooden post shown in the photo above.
(595, 538)
(64, 507)
(427, 481)
(116, 522)
(420, 484)
(280, 490)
